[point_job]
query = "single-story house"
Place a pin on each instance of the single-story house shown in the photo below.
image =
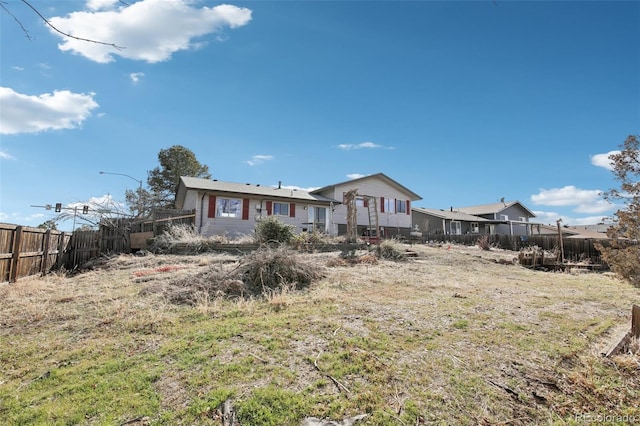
(233, 209)
(378, 197)
(510, 218)
(434, 221)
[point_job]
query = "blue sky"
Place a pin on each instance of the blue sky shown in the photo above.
(463, 102)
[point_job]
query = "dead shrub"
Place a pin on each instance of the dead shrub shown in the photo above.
(265, 272)
(484, 242)
(272, 268)
(390, 250)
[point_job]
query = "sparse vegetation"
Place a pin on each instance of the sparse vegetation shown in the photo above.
(484, 242)
(449, 337)
(391, 250)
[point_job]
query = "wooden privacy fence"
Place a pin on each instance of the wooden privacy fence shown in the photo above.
(575, 249)
(26, 251)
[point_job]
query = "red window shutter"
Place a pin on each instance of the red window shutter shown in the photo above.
(408, 207)
(212, 206)
(381, 204)
(344, 198)
(292, 210)
(245, 208)
(365, 202)
(269, 207)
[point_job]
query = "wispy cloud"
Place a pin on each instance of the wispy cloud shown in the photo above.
(602, 160)
(135, 76)
(148, 30)
(259, 159)
(5, 156)
(363, 145)
(17, 68)
(62, 109)
(355, 176)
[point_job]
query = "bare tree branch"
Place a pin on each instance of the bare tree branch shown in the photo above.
(46, 21)
(24, 30)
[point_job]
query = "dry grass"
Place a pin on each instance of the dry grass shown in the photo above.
(458, 335)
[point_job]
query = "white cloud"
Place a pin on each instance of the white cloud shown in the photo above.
(363, 145)
(602, 160)
(259, 159)
(17, 68)
(550, 218)
(101, 4)
(135, 76)
(566, 196)
(31, 114)
(355, 176)
(5, 156)
(148, 30)
(585, 200)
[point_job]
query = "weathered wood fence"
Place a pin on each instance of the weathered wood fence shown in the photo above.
(28, 251)
(575, 249)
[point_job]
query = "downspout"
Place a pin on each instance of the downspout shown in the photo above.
(201, 212)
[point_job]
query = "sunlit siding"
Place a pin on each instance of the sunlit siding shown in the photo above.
(379, 189)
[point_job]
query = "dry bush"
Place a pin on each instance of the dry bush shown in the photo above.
(177, 234)
(484, 242)
(624, 259)
(265, 272)
(391, 250)
(273, 268)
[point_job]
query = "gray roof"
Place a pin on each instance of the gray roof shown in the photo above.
(187, 182)
(451, 215)
(413, 196)
(493, 208)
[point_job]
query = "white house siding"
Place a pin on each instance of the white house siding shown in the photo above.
(238, 227)
(393, 223)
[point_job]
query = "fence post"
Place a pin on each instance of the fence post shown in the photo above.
(635, 321)
(45, 252)
(60, 256)
(15, 255)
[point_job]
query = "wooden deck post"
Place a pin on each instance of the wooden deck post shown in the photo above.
(635, 321)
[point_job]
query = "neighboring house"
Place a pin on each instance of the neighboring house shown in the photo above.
(233, 209)
(391, 200)
(433, 222)
(511, 217)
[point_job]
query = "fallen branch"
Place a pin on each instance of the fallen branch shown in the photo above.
(339, 385)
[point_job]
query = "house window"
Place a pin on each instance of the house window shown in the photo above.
(318, 218)
(281, 209)
(522, 219)
(401, 206)
(474, 228)
(389, 206)
(504, 217)
(228, 207)
(456, 228)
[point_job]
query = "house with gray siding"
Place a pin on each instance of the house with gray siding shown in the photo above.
(451, 222)
(510, 217)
